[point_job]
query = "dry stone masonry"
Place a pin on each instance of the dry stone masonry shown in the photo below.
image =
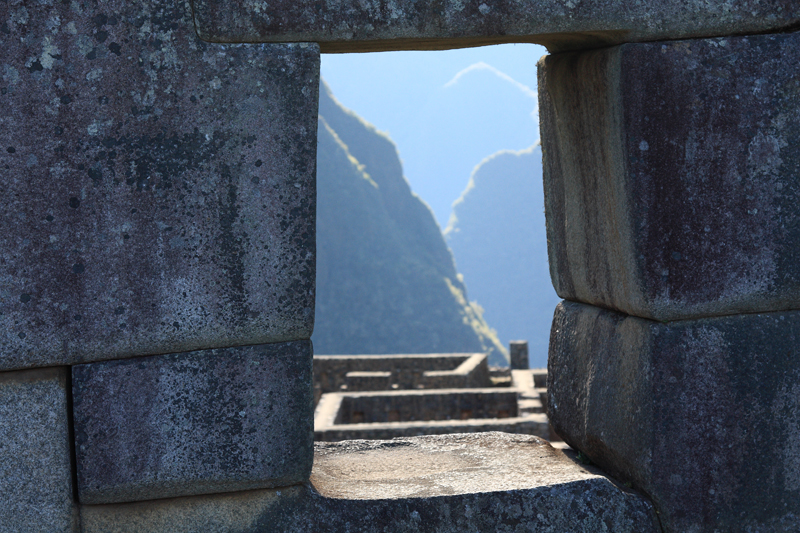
(702, 415)
(371, 487)
(672, 171)
(193, 423)
(157, 266)
(388, 396)
(376, 25)
(160, 198)
(148, 210)
(696, 170)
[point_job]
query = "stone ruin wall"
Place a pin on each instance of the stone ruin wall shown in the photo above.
(157, 281)
(400, 395)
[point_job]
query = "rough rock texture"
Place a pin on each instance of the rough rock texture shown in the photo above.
(701, 415)
(371, 25)
(159, 190)
(491, 482)
(671, 176)
(256, 511)
(35, 473)
(193, 423)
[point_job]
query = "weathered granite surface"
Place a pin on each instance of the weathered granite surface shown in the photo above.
(193, 423)
(492, 482)
(160, 192)
(671, 176)
(372, 25)
(35, 473)
(701, 415)
(256, 511)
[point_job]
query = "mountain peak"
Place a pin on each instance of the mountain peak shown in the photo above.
(484, 68)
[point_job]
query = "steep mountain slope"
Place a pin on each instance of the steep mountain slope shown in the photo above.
(386, 282)
(497, 235)
(477, 113)
(443, 129)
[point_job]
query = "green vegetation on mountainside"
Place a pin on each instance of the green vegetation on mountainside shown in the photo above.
(497, 235)
(386, 282)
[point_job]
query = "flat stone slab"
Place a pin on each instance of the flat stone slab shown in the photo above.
(193, 423)
(35, 466)
(479, 483)
(671, 176)
(701, 415)
(373, 25)
(159, 190)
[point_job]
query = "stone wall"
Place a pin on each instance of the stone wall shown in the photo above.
(159, 236)
(333, 373)
(157, 268)
(678, 225)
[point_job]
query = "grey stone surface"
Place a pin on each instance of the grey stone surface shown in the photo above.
(701, 415)
(518, 351)
(371, 25)
(257, 511)
(159, 190)
(35, 473)
(670, 175)
(489, 483)
(193, 423)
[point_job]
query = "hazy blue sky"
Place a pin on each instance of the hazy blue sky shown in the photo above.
(446, 111)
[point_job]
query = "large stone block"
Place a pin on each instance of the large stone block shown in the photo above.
(35, 466)
(486, 483)
(193, 423)
(255, 511)
(159, 189)
(372, 25)
(671, 176)
(702, 415)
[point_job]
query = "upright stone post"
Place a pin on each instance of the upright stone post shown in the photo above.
(518, 351)
(671, 179)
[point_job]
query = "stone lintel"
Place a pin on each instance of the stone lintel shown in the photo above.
(671, 176)
(374, 25)
(701, 415)
(193, 423)
(480, 483)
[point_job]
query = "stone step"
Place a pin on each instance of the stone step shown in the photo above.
(529, 406)
(479, 483)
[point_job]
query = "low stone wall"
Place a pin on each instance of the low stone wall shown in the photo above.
(440, 404)
(407, 413)
(333, 373)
